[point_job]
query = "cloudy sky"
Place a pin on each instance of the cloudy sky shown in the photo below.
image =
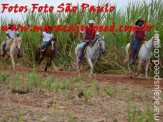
(121, 4)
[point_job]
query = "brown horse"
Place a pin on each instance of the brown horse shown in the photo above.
(48, 53)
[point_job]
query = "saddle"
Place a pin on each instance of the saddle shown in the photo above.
(131, 49)
(46, 46)
(90, 43)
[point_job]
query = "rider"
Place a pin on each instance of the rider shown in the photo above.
(10, 35)
(47, 36)
(89, 35)
(136, 37)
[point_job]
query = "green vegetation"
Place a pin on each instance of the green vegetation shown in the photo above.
(145, 116)
(112, 60)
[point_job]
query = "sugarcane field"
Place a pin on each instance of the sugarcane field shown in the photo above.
(81, 61)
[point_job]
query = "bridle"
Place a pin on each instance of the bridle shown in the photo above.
(152, 43)
(52, 40)
(97, 39)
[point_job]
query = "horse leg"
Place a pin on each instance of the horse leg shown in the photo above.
(146, 68)
(129, 66)
(40, 60)
(48, 64)
(46, 67)
(78, 66)
(91, 65)
(4, 61)
(1, 56)
(12, 61)
(139, 68)
(95, 61)
(45, 70)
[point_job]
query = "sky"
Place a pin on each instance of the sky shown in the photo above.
(120, 4)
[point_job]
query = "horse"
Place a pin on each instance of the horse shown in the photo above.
(48, 53)
(92, 54)
(12, 49)
(144, 54)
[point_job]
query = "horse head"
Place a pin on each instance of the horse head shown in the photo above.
(156, 41)
(102, 44)
(18, 42)
(53, 43)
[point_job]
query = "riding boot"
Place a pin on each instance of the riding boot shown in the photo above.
(4, 53)
(19, 54)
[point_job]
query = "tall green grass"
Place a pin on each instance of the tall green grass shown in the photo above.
(114, 56)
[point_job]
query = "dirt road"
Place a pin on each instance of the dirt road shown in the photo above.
(100, 77)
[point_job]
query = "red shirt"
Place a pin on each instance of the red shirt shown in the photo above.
(139, 34)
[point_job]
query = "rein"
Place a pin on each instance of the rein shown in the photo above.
(94, 42)
(49, 43)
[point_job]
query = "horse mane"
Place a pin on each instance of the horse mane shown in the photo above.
(94, 41)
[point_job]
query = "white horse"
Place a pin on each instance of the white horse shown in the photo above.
(145, 53)
(12, 48)
(92, 53)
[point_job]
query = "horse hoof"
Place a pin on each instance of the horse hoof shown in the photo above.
(90, 75)
(136, 75)
(147, 78)
(130, 76)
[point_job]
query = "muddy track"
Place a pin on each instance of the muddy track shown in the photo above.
(100, 77)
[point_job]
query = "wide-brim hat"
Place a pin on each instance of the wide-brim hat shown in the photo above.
(139, 20)
(91, 22)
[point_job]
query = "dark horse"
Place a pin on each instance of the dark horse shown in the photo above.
(48, 53)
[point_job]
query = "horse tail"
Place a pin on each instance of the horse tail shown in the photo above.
(127, 49)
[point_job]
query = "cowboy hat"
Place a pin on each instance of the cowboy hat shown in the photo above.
(91, 22)
(139, 20)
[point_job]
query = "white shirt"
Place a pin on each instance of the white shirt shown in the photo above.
(47, 36)
(11, 33)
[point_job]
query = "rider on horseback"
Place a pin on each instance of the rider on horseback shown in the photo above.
(10, 35)
(136, 37)
(47, 36)
(89, 35)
